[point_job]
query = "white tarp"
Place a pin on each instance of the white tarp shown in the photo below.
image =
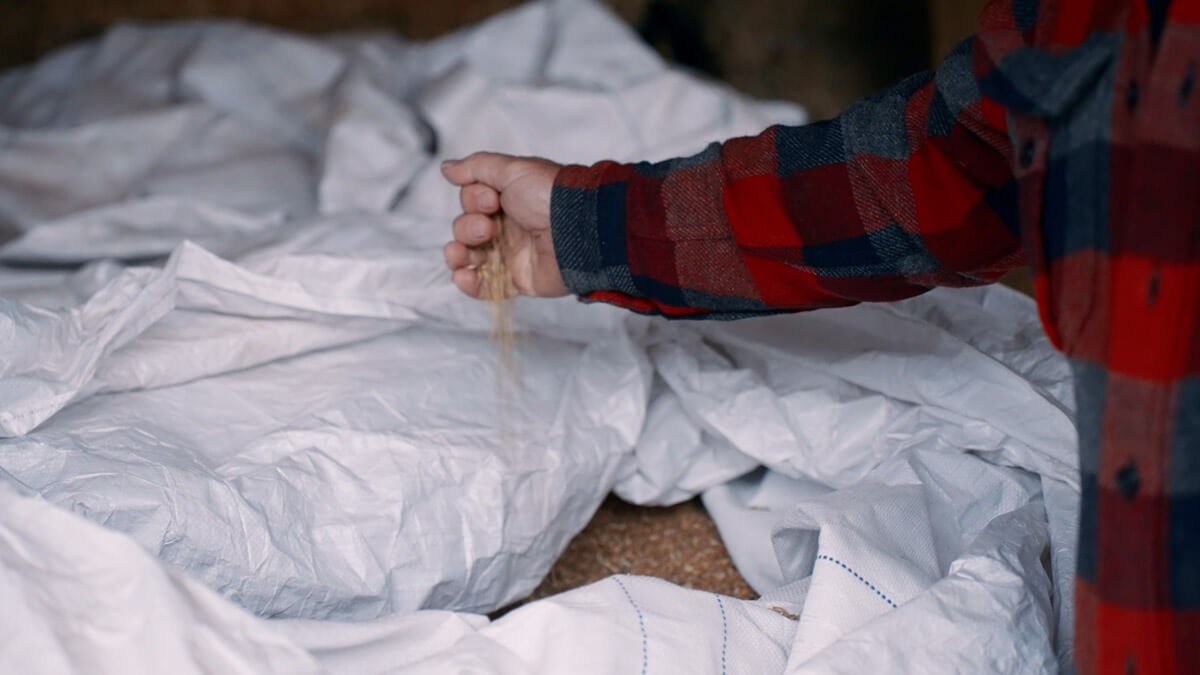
(228, 338)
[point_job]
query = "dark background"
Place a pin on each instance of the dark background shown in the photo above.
(823, 53)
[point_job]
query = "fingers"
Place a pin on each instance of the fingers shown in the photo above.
(474, 229)
(458, 255)
(482, 177)
(488, 168)
(467, 281)
(479, 198)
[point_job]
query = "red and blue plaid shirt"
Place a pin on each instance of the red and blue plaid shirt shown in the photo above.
(1065, 135)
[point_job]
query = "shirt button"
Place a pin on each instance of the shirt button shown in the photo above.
(1133, 94)
(1189, 82)
(1028, 150)
(1128, 480)
(1152, 288)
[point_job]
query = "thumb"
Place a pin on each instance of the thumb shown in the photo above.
(488, 168)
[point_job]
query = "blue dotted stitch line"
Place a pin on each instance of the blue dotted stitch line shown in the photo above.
(724, 632)
(641, 622)
(856, 576)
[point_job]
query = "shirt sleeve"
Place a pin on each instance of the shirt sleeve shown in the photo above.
(909, 189)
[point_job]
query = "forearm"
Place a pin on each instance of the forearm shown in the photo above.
(907, 190)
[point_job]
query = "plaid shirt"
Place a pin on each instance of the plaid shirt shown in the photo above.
(1065, 135)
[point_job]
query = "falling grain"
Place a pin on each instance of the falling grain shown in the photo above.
(496, 287)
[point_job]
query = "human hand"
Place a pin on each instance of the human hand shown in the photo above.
(517, 190)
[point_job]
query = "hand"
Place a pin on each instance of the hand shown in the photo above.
(516, 189)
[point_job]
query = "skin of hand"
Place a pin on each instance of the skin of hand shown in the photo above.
(516, 189)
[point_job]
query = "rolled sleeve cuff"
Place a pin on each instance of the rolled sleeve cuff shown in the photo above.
(587, 223)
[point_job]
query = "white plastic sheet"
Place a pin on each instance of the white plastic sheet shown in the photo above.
(295, 408)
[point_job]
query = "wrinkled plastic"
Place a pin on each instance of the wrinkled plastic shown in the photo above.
(290, 404)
